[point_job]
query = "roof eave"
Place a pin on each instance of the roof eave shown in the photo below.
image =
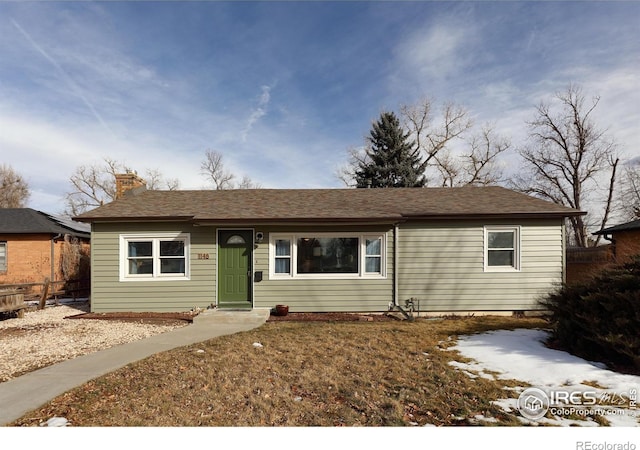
(517, 215)
(382, 220)
(300, 221)
(119, 219)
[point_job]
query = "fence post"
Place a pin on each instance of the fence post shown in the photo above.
(45, 294)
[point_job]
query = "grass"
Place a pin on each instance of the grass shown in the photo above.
(304, 374)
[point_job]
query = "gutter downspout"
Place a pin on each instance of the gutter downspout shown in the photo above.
(393, 305)
(395, 265)
(565, 264)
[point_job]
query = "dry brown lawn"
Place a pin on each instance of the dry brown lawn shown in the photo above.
(302, 374)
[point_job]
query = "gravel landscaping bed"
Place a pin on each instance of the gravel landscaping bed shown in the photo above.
(45, 337)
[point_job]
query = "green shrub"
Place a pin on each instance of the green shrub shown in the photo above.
(600, 319)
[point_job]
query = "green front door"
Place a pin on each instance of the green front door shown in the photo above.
(234, 269)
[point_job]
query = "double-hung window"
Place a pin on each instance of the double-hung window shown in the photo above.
(282, 256)
(154, 257)
(373, 255)
(326, 255)
(3, 256)
(502, 249)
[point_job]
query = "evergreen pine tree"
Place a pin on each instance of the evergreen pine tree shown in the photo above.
(392, 159)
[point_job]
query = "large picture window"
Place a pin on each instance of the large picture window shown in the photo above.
(326, 255)
(502, 248)
(164, 256)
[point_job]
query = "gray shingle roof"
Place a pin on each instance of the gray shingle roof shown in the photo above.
(322, 205)
(30, 221)
(633, 225)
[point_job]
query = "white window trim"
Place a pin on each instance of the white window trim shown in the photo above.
(5, 265)
(517, 246)
(293, 238)
(272, 255)
(155, 238)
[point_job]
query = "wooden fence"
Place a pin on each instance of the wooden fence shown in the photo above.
(49, 289)
(584, 263)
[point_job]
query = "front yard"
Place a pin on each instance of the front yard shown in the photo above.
(300, 374)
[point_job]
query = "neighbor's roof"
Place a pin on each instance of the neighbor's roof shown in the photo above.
(30, 221)
(634, 225)
(324, 205)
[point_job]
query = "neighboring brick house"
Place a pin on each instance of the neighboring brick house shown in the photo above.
(35, 245)
(625, 239)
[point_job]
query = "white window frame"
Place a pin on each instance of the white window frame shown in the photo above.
(4, 265)
(155, 239)
(515, 229)
(293, 239)
(273, 256)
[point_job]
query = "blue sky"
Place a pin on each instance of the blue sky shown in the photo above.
(284, 89)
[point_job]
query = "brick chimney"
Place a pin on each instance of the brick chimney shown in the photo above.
(126, 182)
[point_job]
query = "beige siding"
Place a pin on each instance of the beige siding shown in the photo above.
(110, 294)
(442, 265)
(315, 295)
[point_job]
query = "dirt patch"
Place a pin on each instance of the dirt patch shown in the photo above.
(139, 317)
(24, 331)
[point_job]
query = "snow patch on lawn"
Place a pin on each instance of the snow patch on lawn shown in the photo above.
(521, 355)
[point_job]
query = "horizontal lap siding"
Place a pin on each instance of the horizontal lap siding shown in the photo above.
(108, 293)
(316, 295)
(442, 265)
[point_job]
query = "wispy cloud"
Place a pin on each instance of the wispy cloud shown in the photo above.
(434, 53)
(170, 84)
(258, 112)
(77, 90)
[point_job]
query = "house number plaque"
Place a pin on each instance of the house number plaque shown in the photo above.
(203, 255)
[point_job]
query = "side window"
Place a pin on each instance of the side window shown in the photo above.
(282, 256)
(3, 256)
(373, 256)
(502, 248)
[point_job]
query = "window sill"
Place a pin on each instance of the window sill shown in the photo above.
(332, 276)
(153, 279)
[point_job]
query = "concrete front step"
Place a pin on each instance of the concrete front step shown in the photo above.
(214, 316)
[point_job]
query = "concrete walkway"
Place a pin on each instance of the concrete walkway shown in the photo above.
(34, 389)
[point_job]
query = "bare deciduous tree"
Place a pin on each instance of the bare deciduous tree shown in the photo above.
(347, 172)
(473, 161)
(92, 186)
(433, 139)
(569, 158)
(156, 181)
(478, 166)
(629, 197)
(95, 185)
(247, 183)
(14, 189)
(214, 170)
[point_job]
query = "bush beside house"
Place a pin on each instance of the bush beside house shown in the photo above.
(598, 319)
